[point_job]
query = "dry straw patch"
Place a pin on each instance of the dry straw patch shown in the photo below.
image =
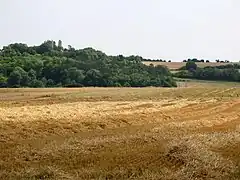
(120, 133)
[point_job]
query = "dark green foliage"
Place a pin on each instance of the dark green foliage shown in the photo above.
(228, 66)
(211, 73)
(182, 68)
(18, 77)
(50, 83)
(3, 81)
(196, 60)
(126, 84)
(191, 66)
(229, 72)
(36, 83)
(50, 65)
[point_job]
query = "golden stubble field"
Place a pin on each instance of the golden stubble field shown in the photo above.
(177, 65)
(120, 133)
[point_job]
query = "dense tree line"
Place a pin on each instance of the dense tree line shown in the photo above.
(193, 59)
(51, 65)
(207, 61)
(156, 60)
(228, 72)
(229, 66)
(196, 60)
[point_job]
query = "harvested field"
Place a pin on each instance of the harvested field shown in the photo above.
(120, 133)
(177, 65)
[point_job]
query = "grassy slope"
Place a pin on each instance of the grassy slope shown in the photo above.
(120, 133)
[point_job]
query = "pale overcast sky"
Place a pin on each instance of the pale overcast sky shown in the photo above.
(168, 29)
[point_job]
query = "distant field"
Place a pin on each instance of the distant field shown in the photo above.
(121, 133)
(184, 82)
(177, 65)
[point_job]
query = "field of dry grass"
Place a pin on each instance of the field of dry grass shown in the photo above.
(121, 133)
(177, 65)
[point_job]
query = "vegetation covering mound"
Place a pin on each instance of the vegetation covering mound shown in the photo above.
(229, 72)
(51, 65)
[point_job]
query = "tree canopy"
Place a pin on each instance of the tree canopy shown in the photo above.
(229, 72)
(50, 65)
(191, 66)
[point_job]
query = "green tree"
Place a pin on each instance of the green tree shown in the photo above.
(14, 79)
(37, 83)
(93, 78)
(3, 81)
(32, 75)
(191, 65)
(18, 77)
(50, 83)
(46, 47)
(75, 75)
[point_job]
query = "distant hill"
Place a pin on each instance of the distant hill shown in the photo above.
(51, 65)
